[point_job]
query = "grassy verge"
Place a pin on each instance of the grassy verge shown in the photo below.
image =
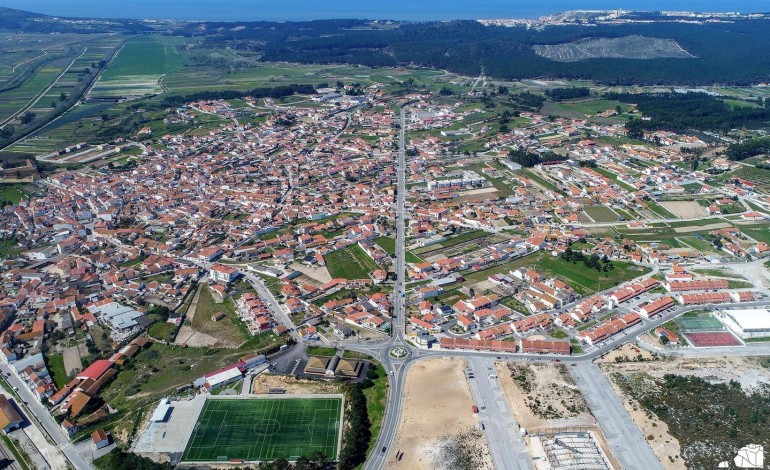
(18, 455)
(320, 351)
(376, 399)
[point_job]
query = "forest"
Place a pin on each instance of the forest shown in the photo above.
(686, 111)
(526, 159)
(749, 148)
(724, 53)
(735, 52)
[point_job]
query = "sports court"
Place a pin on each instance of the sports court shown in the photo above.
(703, 323)
(704, 339)
(260, 429)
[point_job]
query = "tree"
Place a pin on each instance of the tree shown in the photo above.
(502, 90)
(62, 96)
(28, 117)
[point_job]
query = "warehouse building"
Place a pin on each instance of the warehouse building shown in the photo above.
(748, 323)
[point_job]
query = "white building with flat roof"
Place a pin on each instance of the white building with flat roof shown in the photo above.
(747, 323)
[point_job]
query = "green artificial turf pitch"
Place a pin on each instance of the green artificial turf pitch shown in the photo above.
(265, 429)
(700, 324)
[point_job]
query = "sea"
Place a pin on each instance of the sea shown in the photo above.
(411, 10)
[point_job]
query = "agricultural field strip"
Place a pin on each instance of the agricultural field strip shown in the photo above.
(42, 93)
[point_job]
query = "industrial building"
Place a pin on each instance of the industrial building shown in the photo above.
(747, 323)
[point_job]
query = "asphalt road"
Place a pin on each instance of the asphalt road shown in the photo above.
(278, 313)
(628, 444)
(396, 369)
(502, 431)
(41, 415)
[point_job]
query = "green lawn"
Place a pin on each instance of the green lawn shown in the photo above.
(410, 257)
(320, 351)
(11, 193)
(55, 364)
(349, 263)
(162, 330)
(697, 243)
(590, 106)
(8, 248)
(386, 243)
(660, 210)
(265, 429)
(587, 281)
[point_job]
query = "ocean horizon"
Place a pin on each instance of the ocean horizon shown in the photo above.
(405, 10)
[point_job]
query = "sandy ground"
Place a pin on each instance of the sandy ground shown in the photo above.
(747, 371)
(320, 274)
(72, 360)
(628, 350)
(293, 386)
(684, 209)
(547, 385)
(491, 189)
(437, 408)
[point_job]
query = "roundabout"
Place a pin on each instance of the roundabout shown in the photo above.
(398, 352)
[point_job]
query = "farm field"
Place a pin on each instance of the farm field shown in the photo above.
(265, 429)
(191, 77)
(580, 108)
(601, 213)
(580, 278)
(349, 263)
(684, 209)
(138, 68)
(758, 233)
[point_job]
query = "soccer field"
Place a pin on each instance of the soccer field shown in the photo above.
(265, 429)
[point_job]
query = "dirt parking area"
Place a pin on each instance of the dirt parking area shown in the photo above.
(72, 361)
(684, 209)
(319, 274)
(438, 429)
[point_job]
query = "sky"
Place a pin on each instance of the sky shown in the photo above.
(415, 10)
